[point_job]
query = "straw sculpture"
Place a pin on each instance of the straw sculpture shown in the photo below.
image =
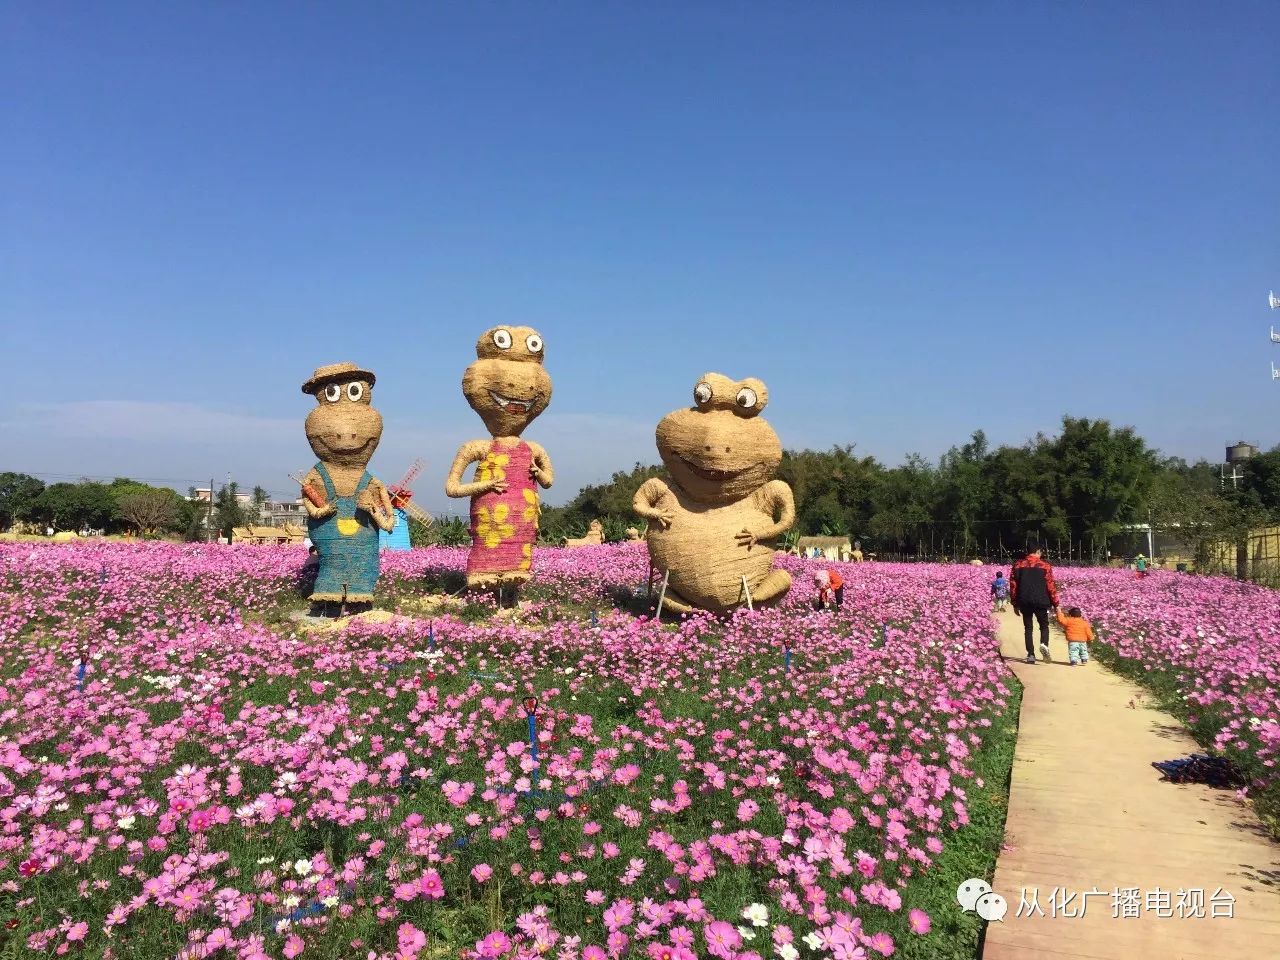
(594, 537)
(709, 527)
(345, 505)
(508, 387)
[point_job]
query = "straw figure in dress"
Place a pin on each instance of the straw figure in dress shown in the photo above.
(710, 527)
(345, 505)
(508, 387)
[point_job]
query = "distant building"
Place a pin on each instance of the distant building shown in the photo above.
(279, 513)
(833, 548)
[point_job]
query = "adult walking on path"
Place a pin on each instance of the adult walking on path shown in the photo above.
(1162, 864)
(1033, 594)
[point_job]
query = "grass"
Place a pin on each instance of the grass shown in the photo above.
(972, 852)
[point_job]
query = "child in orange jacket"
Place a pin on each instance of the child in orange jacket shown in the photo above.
(1079, 632)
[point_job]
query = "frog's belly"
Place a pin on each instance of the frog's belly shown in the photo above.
(706, 563)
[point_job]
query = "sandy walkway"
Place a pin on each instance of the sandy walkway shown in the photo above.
(1088, 813)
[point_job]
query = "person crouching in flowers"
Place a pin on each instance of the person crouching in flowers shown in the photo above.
(830, 590)
(1079, 632)
(508, 387)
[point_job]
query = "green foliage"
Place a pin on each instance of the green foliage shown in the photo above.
(227, 511)
(18, 494)
(1082, 486)
(70, 506)
(444, 532)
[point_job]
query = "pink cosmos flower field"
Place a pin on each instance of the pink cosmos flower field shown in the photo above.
(185, 772)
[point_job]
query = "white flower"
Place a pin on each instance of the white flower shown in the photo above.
(291, 901)
(757, 913)
(283, 925)
(773, 780)
(787, 952)
(127, 822)
(814, 940)
(330, 902)
(288, 777)
(262, 860)
(746, 933)
(303, 867)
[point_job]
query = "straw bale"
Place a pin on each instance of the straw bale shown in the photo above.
(508, 387)
(711, 525)
(345, 505)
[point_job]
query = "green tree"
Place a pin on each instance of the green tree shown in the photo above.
(260, 500)
(149, 510)
(18, 494)
(1103, 475)
(70, 506)
(1262, 480)
(228, 513)
(964, 493)
(903, 505)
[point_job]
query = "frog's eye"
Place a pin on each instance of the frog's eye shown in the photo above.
(355, 391)
(702, 394)
(746, 398)
(333, 392)
(502, 339)
(534, 343)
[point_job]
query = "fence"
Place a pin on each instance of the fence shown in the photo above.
(1255, 558)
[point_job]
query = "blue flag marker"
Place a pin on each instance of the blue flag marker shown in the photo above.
(884, 634)
(593, 619)
(786, 660)
(531, 714)
(431, 637)
(80, 675)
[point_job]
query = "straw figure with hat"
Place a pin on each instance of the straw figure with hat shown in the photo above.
(345, 505)
(508, 387)
(709, 527)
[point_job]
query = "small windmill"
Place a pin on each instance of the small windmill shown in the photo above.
(405, 510)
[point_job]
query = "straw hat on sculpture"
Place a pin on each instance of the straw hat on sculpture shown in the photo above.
(345, 505)
(508, 387)
(709, 526)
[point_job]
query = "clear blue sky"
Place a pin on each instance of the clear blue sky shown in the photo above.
(911, 220)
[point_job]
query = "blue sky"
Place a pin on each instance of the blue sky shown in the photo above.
(910, 220)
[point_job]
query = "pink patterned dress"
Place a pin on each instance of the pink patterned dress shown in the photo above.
(504, 526)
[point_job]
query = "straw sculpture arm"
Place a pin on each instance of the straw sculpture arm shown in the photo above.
(469, 453)
(376, 502)
(775, 500)
(653, 501)
(541, 468)
(313, 496)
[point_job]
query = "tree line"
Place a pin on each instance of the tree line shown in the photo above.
(121, 506)
(1079, 488)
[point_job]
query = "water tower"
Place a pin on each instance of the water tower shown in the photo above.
(1237, 454)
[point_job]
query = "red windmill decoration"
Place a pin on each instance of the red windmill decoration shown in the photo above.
(402, 495)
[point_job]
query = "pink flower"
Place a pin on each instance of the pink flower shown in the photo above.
(293, 946)
(78, 932)
(722, 939)
(481, 872)
(430, 885)
(495, 944)
(919, 921)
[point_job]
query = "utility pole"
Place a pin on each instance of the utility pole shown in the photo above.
(208, 530)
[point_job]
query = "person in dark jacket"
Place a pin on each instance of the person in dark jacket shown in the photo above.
(1033, 594)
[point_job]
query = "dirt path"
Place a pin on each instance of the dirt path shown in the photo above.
(1087, 812)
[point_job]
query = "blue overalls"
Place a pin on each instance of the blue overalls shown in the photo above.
(347, 542)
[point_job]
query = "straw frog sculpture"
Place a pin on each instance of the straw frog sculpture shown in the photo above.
(709, 527)
(345, 505)
(508, 387)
